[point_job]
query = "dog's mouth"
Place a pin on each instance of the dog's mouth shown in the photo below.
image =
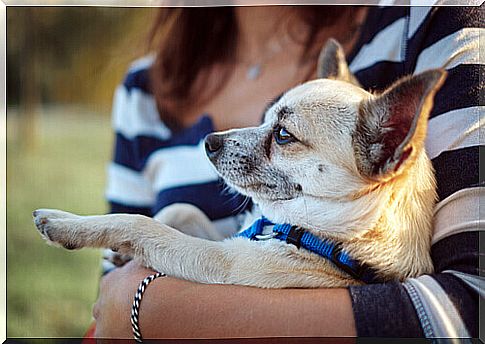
(254, 186)
(263, 191)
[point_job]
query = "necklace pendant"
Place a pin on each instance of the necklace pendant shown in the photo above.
(253, 72)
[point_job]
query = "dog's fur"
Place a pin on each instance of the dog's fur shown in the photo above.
(354, 170)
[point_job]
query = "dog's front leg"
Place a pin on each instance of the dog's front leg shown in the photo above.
(232, 261)
(156, 245)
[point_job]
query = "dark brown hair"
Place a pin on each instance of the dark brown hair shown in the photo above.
(188, 41)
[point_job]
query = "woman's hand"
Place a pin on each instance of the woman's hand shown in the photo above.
(173, 308)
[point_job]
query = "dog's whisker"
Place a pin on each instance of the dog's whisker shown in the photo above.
(242, 207)
(306, 210)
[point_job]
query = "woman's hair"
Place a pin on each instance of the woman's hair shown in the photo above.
(188, 41)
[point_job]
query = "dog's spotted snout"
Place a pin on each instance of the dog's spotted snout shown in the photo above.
(213, 145)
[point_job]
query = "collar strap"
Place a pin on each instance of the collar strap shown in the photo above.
(329, 249)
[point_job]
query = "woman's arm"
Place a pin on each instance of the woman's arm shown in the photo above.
(174, 308)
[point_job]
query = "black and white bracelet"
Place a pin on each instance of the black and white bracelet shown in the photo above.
(136, 305)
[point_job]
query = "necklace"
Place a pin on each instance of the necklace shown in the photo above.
(254, 70)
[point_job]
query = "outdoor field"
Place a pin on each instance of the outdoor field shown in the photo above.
(50, 291)
(63, 66)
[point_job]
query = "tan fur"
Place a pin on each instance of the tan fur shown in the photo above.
(351, 174)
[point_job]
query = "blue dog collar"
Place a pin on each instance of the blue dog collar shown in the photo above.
(326, 248)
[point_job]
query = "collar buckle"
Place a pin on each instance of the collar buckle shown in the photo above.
(294, 236)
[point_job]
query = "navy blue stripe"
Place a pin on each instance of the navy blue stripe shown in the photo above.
(461, 89)
(380, 75)
(457, 252)
(212, 198)
(126, 153)
(139, 79)
(384, 310)
(118, 208)
(133, 153)
(456, 170)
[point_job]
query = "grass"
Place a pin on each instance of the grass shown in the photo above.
(50, 291)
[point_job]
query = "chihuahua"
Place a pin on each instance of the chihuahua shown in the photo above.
(340, 174)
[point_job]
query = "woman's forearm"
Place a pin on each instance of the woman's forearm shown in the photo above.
(196, 310)
(174, 308)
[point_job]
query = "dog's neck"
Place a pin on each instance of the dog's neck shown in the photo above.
(398, 211)
(405, 218)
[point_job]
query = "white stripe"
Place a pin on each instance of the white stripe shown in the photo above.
(386, 46)
(386, 3)
(128, 187)
(142, 63)
(179, 165)
(462, 128)
(461, 47)
(414, 3)
(460, 212)
(106, 265)
(135, 113)
(417, 15)
(444, 318)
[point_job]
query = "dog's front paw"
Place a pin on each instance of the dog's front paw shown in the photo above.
(57, 227)
(116, 258)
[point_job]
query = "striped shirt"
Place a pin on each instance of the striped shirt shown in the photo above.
(154, 167)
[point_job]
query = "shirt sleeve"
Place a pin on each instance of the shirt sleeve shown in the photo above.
(443, 304)
(137, 129)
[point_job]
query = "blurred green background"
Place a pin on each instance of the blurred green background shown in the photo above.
(63, 64)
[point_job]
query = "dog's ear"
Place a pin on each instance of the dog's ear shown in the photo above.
(391, 127)
(332, 63)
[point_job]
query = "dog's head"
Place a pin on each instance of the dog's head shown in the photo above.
(326, 142)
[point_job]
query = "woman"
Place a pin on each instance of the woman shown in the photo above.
(391, 42)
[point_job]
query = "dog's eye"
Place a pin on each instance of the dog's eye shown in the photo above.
(282, 136)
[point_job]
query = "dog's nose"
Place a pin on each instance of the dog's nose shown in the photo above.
(213, 144)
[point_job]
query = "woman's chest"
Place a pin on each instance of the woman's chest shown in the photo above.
(242, 101)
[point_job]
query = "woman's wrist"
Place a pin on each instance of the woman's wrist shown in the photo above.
(135, 308)
(112, 309)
